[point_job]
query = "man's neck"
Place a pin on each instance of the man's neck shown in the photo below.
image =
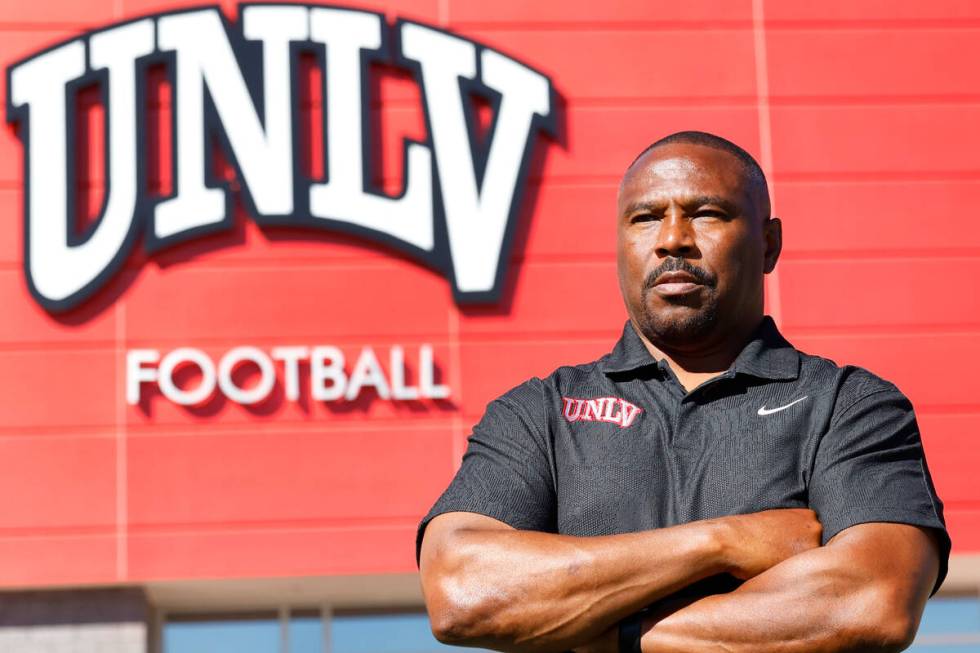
(695, 363)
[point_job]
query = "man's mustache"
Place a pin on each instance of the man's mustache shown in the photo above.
(677, 264)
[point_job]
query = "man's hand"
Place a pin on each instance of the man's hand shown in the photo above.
(486, 584)
(756, 542)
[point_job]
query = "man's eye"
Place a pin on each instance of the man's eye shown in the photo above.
(644, 217)
(711, 213)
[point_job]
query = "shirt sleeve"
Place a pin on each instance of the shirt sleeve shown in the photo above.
(870, 467)
(506, 471)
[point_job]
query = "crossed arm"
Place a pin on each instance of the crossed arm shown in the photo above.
(489, 585)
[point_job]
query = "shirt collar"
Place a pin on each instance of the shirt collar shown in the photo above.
(767, 355)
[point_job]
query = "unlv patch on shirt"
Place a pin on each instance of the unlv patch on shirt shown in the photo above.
(601, 409)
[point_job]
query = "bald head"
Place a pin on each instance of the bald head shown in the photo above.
(756, 186)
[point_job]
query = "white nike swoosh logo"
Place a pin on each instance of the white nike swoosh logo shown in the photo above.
(765, 411)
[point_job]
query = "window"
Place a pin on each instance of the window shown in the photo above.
(301, 632)
(949, 625)
(407, 632)
(242, 634)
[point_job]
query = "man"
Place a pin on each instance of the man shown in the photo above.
(667, 496)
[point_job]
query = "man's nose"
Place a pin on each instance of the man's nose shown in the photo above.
(676, 236)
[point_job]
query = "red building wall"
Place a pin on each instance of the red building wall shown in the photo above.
(863, 114)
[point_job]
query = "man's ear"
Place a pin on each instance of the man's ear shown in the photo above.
(773, 233)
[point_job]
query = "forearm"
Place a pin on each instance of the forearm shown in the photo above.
(528, 591)
(844, 598)
(796, 606)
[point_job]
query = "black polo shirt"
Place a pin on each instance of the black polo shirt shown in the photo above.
(618, 445)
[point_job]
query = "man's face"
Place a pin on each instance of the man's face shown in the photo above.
(693, 246)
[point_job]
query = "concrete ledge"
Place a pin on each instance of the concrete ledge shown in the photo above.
(963, 577)
(339, 592)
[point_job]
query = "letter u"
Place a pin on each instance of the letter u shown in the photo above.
(569, 403)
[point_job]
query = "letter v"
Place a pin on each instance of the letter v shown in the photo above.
(629, 413)
(476, 217)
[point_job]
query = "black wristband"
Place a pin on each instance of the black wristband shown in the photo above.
(630, 630)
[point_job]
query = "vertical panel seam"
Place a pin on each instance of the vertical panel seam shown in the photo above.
(774, 298)
(456, 376)
(122, 475)
(122, 544)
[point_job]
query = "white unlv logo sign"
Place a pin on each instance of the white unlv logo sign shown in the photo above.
(455, 213)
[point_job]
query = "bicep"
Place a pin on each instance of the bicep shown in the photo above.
(906, 558)
(506, 474)
(870, 468)
(443, 527)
